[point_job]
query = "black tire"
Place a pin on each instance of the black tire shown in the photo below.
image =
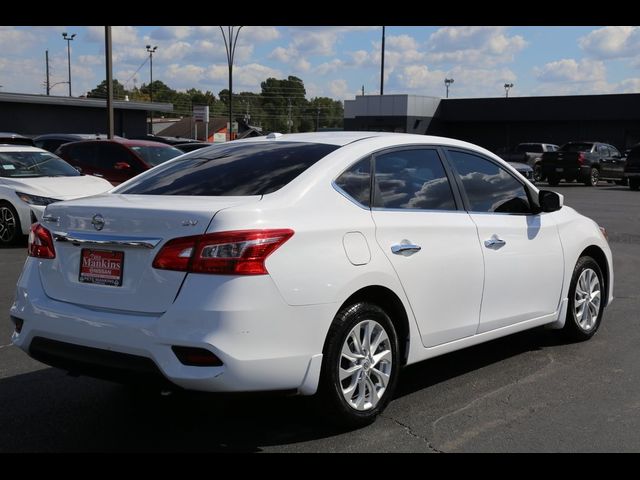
(634, 183)
(330, 395)
(10, 228)
(592, 179)
(572, 328)
(537, 173)
(553, 180)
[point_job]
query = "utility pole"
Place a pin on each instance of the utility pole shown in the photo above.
(363, 90)
(382, 66)
(46, 57)
(507, 87)
(289, 121)
(447, 82)
(318, 120)
(107, 52)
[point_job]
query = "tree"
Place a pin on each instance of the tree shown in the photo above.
(101, 90)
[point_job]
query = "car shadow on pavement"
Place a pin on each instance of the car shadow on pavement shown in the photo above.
(49, 411)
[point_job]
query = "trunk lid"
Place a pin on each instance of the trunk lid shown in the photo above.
(134, 227)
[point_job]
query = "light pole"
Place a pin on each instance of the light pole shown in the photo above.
(447, 82)
(507, 87)
(151, 51)
(230, 40)
(68, 39)
(382, 64)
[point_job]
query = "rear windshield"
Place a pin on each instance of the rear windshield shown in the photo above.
(576, 147)
(156, 155)
(34, 164)
(231, 170)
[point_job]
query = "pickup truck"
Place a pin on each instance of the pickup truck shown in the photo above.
(530, 153)
(586, 162)
(632, 168)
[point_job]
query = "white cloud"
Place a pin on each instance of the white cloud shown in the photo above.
(570, 70)
(329, 67)
(16, 40)
(284, 55)
(629, 85)
(473, 45)
(612, 42)
(339, 89)
(120, 35)
(171, 33)
(401, 42)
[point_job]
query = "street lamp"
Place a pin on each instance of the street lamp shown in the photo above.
(68, 39)
(230, 40)
(507, 87)
(151, 51)
(447, 82)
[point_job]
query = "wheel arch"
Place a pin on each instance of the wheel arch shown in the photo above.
(386, 299)
(600, 258)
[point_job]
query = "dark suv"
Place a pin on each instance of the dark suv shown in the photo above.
(116, 160)
(632, 169)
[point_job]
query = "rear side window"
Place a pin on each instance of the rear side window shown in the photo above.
(356, 181)
(489, 187)
(82, 153)
(576, 147)
(412, 179)
(231, 170)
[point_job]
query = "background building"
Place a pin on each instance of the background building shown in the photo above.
(37, 114)
(498, 123)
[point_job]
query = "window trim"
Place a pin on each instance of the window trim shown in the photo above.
(337, 188)
(535, 208)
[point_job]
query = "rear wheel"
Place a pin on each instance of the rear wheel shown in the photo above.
(553, 180)
(10, 229)
(537, 173)
(634, 183)
(360, 365)
(586, 300)
(592, 178)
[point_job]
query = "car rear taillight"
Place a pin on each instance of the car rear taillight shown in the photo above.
(240, 252)
(40, 242)
(581, 158)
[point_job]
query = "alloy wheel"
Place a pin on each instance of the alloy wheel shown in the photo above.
(587, 299)
(7, 225)
(365, 365)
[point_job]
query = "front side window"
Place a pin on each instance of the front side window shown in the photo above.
(231, 169)
(34, 164)
(412, 179)
(356, 181)
(489, 187)
(156, 155)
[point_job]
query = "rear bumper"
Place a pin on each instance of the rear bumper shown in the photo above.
(566, 171)
(264, 343)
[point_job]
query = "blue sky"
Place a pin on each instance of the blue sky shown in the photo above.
(335, 61)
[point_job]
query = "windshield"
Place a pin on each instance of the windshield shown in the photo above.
(34, 164)
(576, 147)
(156, 155)
(230, 170)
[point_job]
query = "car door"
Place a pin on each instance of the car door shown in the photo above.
(617, 163)
(116, 163)
(523, 258)
(606, 162)
(430, 241)
(81, 155)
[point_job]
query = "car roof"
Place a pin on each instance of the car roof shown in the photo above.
(11, 135)
(124, 141)
(71, 136)
(20, 148)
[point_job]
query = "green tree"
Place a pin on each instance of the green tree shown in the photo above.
(101, 90)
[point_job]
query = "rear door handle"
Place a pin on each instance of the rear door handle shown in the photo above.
(494, 241)
(405, 249)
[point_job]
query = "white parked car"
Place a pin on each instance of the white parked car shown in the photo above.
(30, 179)
(320, 262)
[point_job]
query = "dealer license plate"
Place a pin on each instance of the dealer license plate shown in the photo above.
(102, 267)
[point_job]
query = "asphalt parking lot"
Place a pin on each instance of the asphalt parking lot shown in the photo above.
(530, 392)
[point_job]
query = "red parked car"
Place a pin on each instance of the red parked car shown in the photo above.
(116, 160)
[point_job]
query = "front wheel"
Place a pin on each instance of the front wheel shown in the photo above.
(586, 300)
(10, 229)
(360, 365)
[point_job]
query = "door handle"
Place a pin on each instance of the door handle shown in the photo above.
(494, 241)
(405, 249)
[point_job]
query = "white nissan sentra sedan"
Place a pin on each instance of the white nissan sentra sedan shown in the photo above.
(308, 263)
(32, 178)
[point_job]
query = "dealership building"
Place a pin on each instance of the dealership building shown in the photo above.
(498, 123)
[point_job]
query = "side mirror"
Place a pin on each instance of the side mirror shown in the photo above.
(121, 166)
(550, 201)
